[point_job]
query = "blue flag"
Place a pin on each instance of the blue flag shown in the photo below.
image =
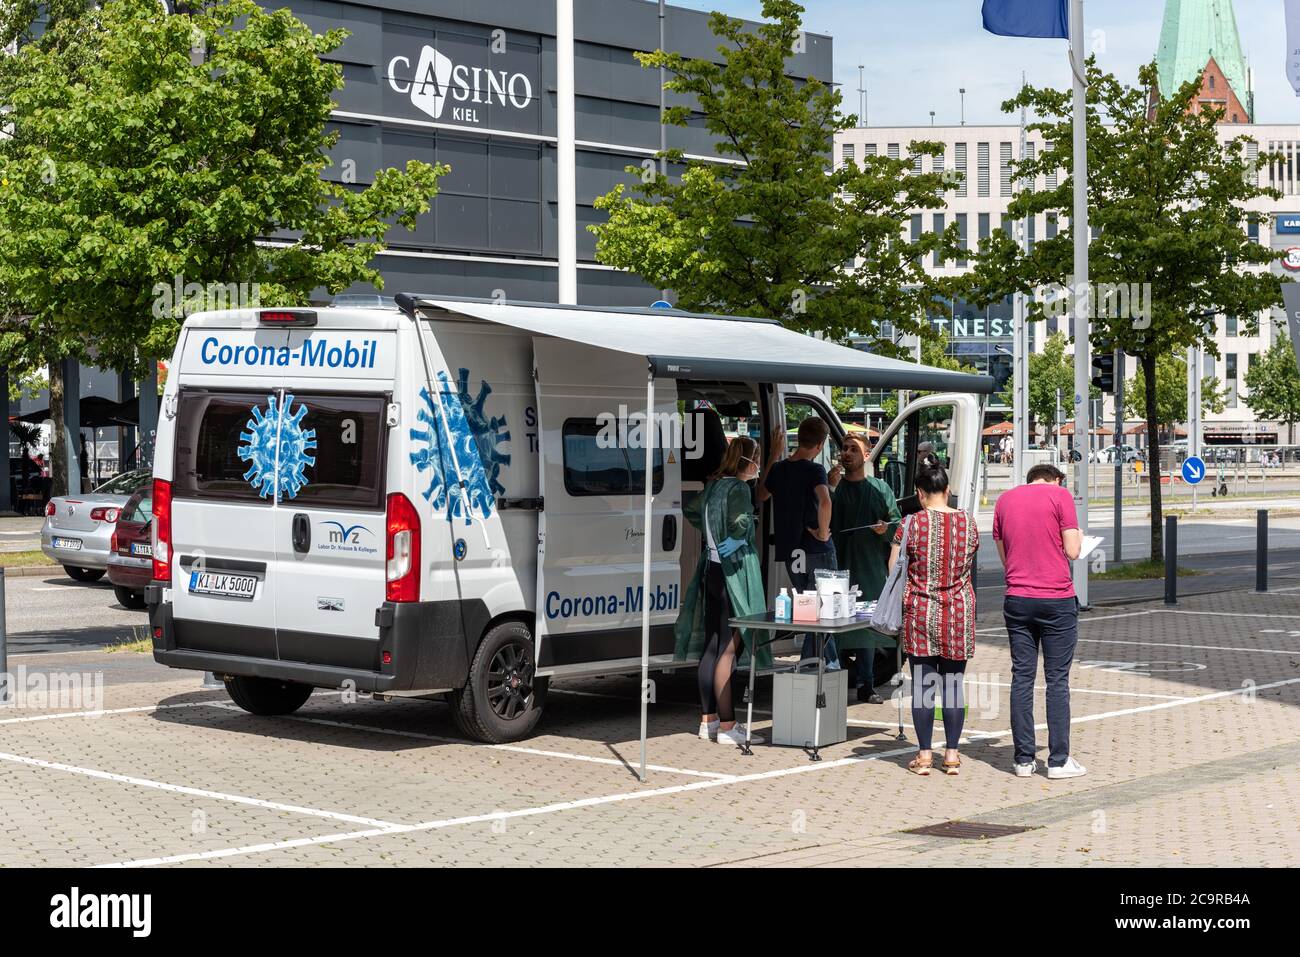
(1028, 18)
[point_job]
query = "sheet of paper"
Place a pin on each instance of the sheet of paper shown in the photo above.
(1090, 544)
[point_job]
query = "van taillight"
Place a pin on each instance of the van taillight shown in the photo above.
(402, 570)
(112, 542)
(162, 530)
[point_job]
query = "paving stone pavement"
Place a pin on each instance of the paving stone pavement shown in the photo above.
(1188, 720)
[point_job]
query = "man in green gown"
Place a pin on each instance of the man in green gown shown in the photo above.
(864, 517)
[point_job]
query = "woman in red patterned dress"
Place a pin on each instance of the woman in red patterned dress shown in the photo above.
(938, 611)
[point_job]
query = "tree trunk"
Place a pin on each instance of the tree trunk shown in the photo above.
(1153, 457)
(58, 447)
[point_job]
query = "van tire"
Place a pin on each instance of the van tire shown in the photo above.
(128, 597)
(84, 574)
(508, 645)
(267, 696)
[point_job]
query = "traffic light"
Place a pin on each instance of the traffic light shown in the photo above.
(1103, 371)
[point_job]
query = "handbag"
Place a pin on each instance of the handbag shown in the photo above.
(887, 619)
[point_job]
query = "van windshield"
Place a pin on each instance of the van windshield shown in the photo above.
(323, 451)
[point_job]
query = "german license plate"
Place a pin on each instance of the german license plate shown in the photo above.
(219, 583)
(141, 548)
(71, 543)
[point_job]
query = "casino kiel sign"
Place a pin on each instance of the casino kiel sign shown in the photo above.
(454, 91)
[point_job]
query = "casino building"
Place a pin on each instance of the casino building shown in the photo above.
(473, 85)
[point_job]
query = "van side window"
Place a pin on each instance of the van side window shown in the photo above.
(594, 466)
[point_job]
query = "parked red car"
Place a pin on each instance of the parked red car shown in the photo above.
(130, 553)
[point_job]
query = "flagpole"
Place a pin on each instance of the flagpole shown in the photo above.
(1020, 345)
(1082, 298)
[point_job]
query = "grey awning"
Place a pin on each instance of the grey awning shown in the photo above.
(683, 345)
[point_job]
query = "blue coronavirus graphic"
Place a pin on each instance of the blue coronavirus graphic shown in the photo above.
(285, 474)
(456, 431)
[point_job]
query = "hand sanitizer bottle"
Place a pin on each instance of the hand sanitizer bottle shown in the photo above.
(784, 607)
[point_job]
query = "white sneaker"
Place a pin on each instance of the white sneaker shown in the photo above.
(1070, 769)
(708, 730)
(1026, 770)
(736, 736)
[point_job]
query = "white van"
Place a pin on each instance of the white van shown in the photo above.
(422, 501)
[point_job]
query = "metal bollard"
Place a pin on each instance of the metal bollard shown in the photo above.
(210, 682)
(1261, 550)
(4, 644)
(1171, 560)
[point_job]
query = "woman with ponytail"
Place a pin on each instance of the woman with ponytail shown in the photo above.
(938, 611)
(729, 581)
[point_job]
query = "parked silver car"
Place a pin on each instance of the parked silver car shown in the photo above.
(78, 528)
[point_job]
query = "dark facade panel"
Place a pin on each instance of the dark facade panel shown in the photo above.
(471, 83)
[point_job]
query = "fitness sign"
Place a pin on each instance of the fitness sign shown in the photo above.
(452, 92)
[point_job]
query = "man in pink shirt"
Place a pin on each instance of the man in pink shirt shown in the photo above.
(1037, 533)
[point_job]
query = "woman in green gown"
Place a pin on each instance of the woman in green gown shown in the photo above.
(728, 583)
(866, 505)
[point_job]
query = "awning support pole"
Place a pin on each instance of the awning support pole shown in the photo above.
(649, 439)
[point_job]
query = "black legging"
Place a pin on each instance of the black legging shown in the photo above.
(938, 681)
(717, 636)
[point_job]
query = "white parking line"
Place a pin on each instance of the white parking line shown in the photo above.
(507, 815)
(518, 749)
(654, 792)
(192, 792)
(1175, 644)
(54, 716)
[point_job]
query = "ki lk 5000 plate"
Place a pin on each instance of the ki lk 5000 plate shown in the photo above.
(220, 583)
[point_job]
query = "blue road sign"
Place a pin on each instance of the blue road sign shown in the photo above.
(661, 304)
(1193, 470)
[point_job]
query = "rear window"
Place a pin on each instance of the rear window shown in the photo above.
(594, 466)
(330, 448)
(138, 509)
(126, 483)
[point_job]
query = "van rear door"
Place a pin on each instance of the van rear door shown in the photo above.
(328, 527)
(591, 534)
(222, 528)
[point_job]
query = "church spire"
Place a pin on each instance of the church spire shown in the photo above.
(1199, 40)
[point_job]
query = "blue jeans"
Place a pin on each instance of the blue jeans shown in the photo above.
(864, 666)
(1051, 624)
(806, 580)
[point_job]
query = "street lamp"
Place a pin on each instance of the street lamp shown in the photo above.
(962, 91)
(932, 117)
(862, 98)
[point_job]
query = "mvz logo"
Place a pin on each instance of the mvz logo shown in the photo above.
(436, 79)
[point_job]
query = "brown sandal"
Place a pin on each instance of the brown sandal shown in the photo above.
(917, 766)
(952, 768)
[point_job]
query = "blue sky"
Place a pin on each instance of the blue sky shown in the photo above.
(918, 53)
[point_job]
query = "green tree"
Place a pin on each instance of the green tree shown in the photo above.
(1171, 394)
(1274, 384)
(1167, 205)
(772, 229)
(842, 400)
(151, 151)
(1049, 371)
